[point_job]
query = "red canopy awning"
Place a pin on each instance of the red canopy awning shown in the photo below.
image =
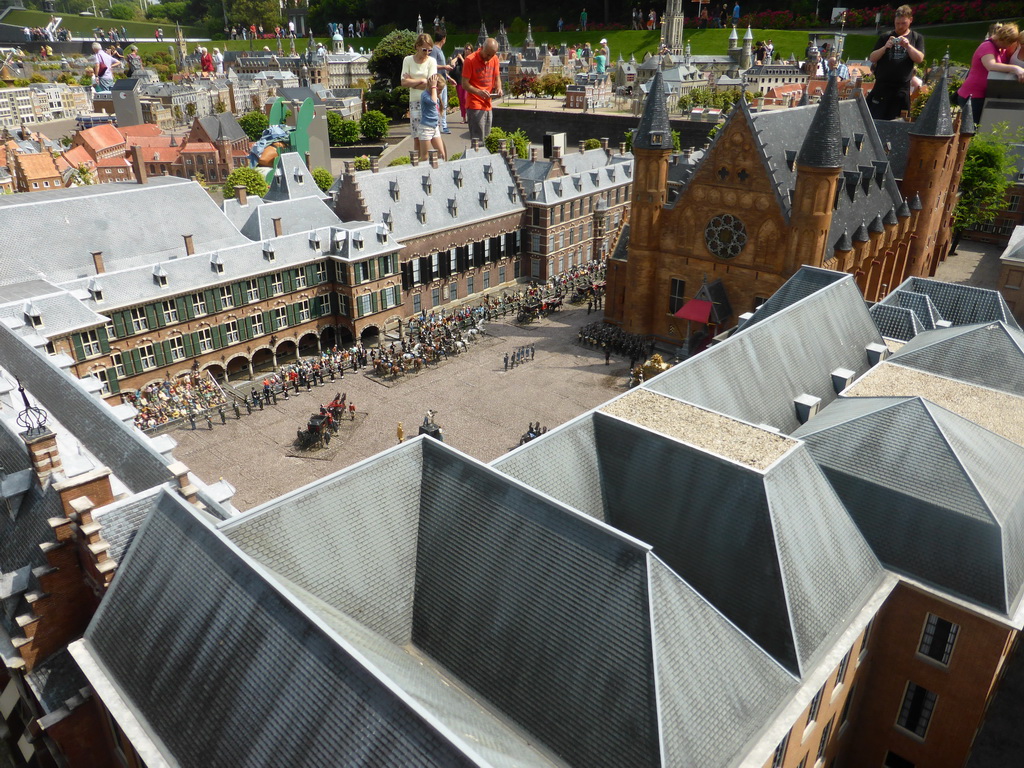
(696, 310)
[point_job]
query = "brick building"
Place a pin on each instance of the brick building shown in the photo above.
(774, 191)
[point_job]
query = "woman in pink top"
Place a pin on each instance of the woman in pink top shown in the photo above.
(991, 56)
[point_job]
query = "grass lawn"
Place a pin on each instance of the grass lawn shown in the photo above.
(82, 26)
(971, 30)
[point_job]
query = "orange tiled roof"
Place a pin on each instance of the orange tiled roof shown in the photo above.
(38, 166)
(159, 154)
(149, 141)
(144, 130)
(199, 146)
(101, 137)
(76, 156)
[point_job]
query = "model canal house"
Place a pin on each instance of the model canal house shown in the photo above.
(777, 190)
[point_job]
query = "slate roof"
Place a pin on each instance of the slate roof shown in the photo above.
(806, 281)
(21, 536)
(562, 188)
(59, 311)
(470, 620)
(956, 520)
(785, 565)
(121, 520)
(58, 231)
(793, 352)
(222, 127)
(987, 354)
(654, 118)
(822, 146)
(935, 119)
(895, 322)
(56, 680)
(297, 216)
(292, 180)
(481, 174)
(955, 303)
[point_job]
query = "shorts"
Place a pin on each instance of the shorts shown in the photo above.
(426, 132)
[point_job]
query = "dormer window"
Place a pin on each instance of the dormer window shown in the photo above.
(96, 290)
(32, 315)
(457, 178)
(314, 240)
(557, 187)
(389, 220)
(421, 212)
(357, 240)
(216, 263)
(512, 192)
(382, 233)
(656, 139)
(298, 175)
(340, 236)
(160, 276)
(268, 251)
(484, 200)
(426, 184)
(395, 192)
(577, 182)
(489, 172)
(453, 207)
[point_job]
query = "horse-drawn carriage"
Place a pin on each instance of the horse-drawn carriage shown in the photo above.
(317, 433)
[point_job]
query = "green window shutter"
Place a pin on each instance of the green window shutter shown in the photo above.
(167, 352)
(219, 338)
(150, 316)
(310, 274)
(76, 342)
(112, 382)
(182, 306)
(186, 340)
(136, 361)
(373, 268)
(264, 290)
(293, 314)
(196, 349)
(289, 281)
(101, 333)
(212, 302)
(127, 364)
(245, 329)
(119, 328)
(373, 302)
(268, 322)
(158, 352)
(238, 294)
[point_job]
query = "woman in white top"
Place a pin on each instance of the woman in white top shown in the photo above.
(218, 62)
(416, 70)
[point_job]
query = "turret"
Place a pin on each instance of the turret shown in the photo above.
(818, 165)
(748, 49)
(652, 147)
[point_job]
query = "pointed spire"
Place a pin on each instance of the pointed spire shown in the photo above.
(653, 131)
(733, 38)
(844, 243)
(890, 218)
(529, 34)
(935, 119)
(823, 145)
(861, 234)
(915, 202)
(876, 225)
(903, 211)
(967, 126)
(419, 24)
(749, 35)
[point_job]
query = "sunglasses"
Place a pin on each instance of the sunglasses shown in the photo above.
(425, 50)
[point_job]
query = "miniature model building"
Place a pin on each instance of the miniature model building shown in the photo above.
(777, 190)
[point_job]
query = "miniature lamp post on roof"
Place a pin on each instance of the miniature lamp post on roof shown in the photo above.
(33, 419)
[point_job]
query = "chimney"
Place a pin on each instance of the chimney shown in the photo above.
(876, 353)
(97, 261)
(190, 247)
(242, 194)
(42, 450)
(432, 154)
(556, 153)
(604, 143)
(350, 171)
(414, 157)
(534, 154)
(806, 407)
(138, 166)
(583, 146)
(375, 164)
(841, 379)
(278, 230)
(474, 143)
(503, 147)
(622, 147)
(306, 158)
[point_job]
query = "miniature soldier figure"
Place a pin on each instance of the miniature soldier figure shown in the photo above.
(209, 421)
(192, 420)
(506, 361)
(401, 433)
(223, 418)
(238, 411)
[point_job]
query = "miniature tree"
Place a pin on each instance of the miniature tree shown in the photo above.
(254, 182)
(323, 178)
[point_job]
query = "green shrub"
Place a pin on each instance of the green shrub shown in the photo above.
(252, 179)
(341, 131)
(403, 160)
(323, 178)
(121, 11)
(592, 144)
(254, 124)
(362, 163)
(517, 138)
(374, 125)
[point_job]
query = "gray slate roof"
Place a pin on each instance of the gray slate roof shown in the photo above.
(894, 322)
(785, 564)
(55, 232)
(822, 146)
(956, 520)
(654, 118)
(121, 520)
(988, 354)
(21, 536)
(806, 281)
(896, 134)
(56, 680)
(292, 179)
(956, 303)
(222, 126)
(754, 375)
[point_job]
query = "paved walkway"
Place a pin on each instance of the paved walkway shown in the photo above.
(482, 409)
(973, 263)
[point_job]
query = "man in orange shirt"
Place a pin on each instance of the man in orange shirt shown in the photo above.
(481, 77)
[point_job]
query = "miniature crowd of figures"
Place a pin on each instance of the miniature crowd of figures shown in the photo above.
(167, 401)
(609, 339)
(520, 355)
(534, 430)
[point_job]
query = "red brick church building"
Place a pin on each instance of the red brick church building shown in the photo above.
(776, 190)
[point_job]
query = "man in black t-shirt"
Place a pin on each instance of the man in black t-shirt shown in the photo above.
(894, 58)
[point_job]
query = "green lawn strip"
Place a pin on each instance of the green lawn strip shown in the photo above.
(970, 30)
(82, 26)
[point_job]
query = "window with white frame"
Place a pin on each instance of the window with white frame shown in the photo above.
(363, 305)
(198, 304)
(916, 711)
(321, 273)
(139, 323)
(91, 343)
(177, 348)
(938, 638)
(231, 332)
(416, 279)
(257, 325)
(325, 304)
(101, 374)
(118, 364)
(300, 279)
(252, 290)
(148, 356)
(227, 299)
(170, 308)
(277, 284)
(304, 313)
(281, 317)
(205, 339)
(453, 261)
(453, 292)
